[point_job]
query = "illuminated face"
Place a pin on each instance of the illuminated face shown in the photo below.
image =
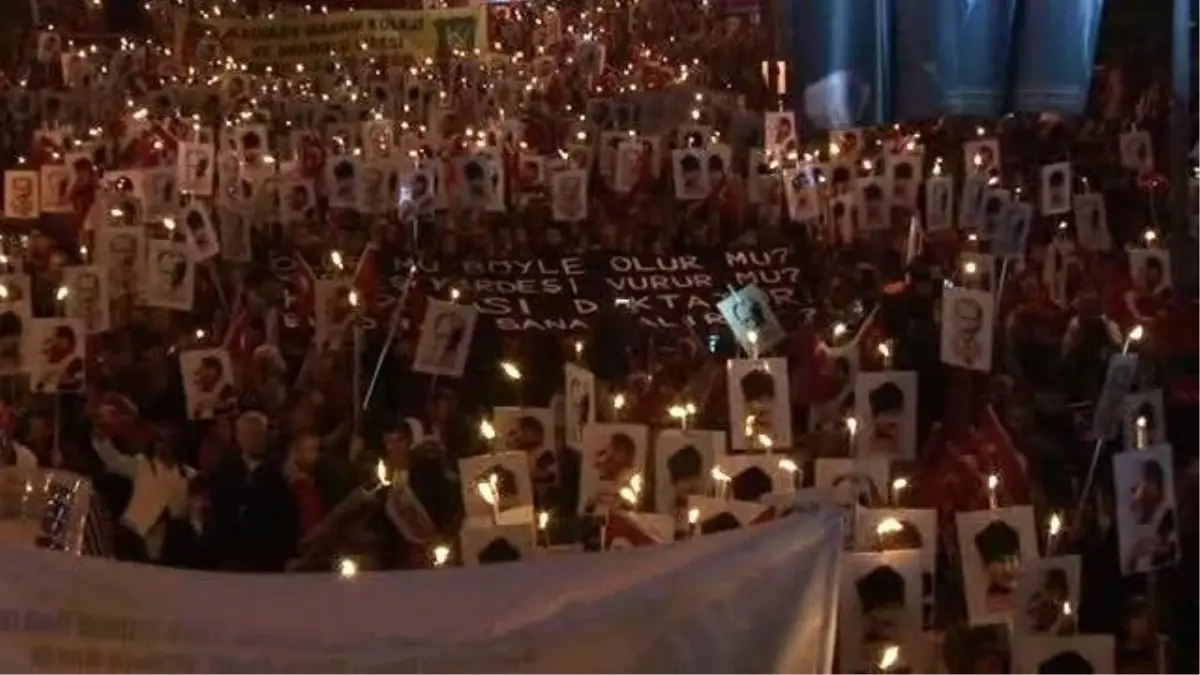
(1147, 498)
(206, 379)
(23, 194)
(968, 316)
(56, 349)
(168, 264)
(197, 163)
(1002, 573)
(613, 461)
(886, 432)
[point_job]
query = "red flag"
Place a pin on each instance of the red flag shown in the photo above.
(367, 278)
(956, 478)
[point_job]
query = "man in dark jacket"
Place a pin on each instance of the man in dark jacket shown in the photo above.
(253, 517)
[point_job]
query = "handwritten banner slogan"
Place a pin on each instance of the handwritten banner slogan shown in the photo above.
(661, 292)
(329, 37)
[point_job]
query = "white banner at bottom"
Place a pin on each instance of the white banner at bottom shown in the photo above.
(761, 599)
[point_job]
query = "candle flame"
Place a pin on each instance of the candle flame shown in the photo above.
(636, 484)
(693, 516)
(993, 481)
(511, 371)
(381, 473)
(488, 489)
(852, 425)
(899, 484)
(618, 401)
(628, 496)
(889, 658)
(888, 526)
(1055, 526)
(839, 329)
(543, 519)
(347, 568)
(441, 555)
(487, 430)
(719, 475)
(788, 465)
(1137, 333)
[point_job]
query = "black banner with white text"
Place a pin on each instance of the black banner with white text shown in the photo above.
(567, 293)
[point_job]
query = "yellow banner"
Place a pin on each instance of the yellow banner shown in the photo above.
(328, 37)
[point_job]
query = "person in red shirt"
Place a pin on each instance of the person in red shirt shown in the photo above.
(302, 457)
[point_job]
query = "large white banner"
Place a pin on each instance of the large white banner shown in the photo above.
(761, 600)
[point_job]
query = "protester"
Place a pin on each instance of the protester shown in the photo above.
(253, 515)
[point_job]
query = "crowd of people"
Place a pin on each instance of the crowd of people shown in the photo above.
(263, 476)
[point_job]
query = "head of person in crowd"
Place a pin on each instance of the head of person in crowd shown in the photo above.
(303, 452)
(250, 433)
(397, 439)
(164, 443)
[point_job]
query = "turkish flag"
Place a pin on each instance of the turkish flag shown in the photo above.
(956, 476)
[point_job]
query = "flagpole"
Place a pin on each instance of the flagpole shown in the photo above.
(393, 326)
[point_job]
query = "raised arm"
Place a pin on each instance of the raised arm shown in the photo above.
(114, 460)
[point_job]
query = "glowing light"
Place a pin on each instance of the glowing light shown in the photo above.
(891, 655)
(347, 568)
(1055, 525)
(888, 526)
(441, 555)
(489, 490)
(511, 371)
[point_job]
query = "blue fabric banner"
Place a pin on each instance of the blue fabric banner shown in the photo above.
(924, 66)
(981, 55)
(841, 57)
(1056, 51)
(859, 62)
